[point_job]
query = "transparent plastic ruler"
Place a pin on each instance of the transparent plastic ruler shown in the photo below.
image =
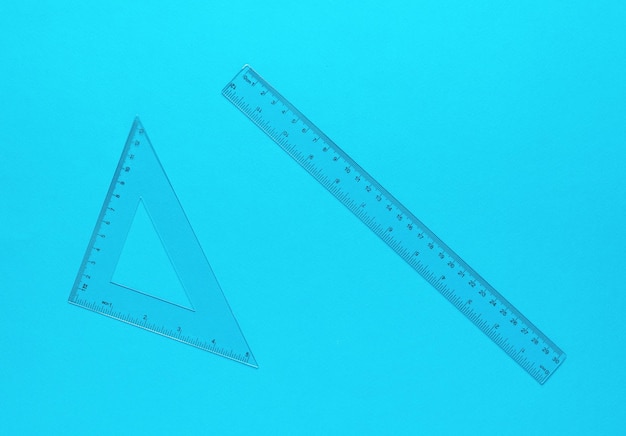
(394, 224)
(140, 187)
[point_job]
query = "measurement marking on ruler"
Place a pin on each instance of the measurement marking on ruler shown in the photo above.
(140, 181)
(394, 224)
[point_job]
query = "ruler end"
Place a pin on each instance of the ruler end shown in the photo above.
(253, 364)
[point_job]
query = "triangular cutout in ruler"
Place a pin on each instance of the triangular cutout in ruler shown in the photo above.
(145, 266)
(207, 322)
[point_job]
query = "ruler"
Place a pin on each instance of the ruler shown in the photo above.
(139, 181)
(394, 224)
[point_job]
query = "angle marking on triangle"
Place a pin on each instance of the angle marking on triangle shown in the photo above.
(140, 179)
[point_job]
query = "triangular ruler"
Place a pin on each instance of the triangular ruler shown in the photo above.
(141, 187)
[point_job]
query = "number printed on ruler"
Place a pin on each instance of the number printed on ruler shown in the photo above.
(394, 224)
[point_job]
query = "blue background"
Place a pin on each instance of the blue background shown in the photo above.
(501, 127)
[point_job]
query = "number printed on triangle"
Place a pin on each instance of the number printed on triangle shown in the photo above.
(142, 217)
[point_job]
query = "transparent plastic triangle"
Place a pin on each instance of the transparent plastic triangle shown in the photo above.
(207, 322)
(145, 266)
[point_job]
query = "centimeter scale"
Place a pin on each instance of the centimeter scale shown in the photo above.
(394, 224)
(140, 187)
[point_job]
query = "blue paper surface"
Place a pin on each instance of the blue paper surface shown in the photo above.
(500, 126)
